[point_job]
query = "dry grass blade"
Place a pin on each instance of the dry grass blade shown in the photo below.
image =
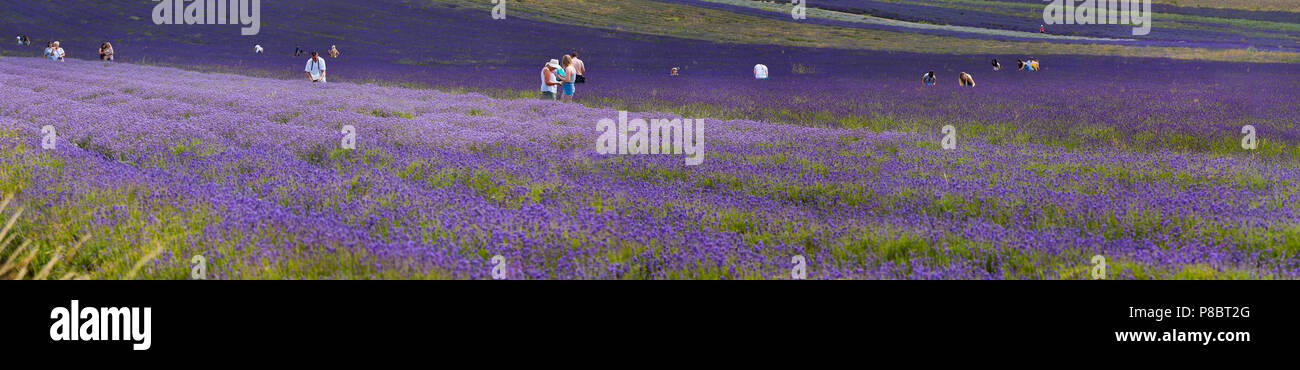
(9, 263)
(4, 232)
(143, 260)
(72, 252)
(22, 266)
(45, 271)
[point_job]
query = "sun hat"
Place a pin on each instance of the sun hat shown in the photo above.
(553, 63)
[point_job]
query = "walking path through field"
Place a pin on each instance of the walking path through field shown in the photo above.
(785, 7)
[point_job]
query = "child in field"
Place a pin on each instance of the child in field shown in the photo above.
(569, 73)
(1033, 64)
(315, 68)
(928, 78)
(334, 51)
(550, 83)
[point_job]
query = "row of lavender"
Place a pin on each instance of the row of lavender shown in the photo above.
(253, 174)
(1078, 101)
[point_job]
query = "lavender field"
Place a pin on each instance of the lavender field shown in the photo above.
(250, 173)
(193, 146)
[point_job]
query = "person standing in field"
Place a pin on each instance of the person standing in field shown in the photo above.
(550, 83)
(297, 51)
(997, 66)
(257, 49)
(674, 72)
(569, 73)
(49, 49)
(56, 52)
(580, 68)
(20, 40)
(315, 68)
(334, 51)
(760, 72)
(26, 41)
(106, 52)
(928, 78)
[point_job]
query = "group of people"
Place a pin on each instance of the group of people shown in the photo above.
(54, 52)
(560, 75)
(54, 49)
(1027, 65)
(316, 68)
(965, 79)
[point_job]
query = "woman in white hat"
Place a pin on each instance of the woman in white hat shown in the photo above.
(550, 83)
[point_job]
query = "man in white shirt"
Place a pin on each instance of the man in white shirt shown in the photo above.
(56, 52)
(315, 68)
(760, 71)
(578, 67)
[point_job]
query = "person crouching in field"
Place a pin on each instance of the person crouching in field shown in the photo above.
(1033, 64)
(334, 51)
(106, 52)
(550, 83)
(997, 66)
(315, 68)
(928, 78)
(967, 80)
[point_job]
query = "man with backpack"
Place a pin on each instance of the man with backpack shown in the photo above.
(315, 68)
